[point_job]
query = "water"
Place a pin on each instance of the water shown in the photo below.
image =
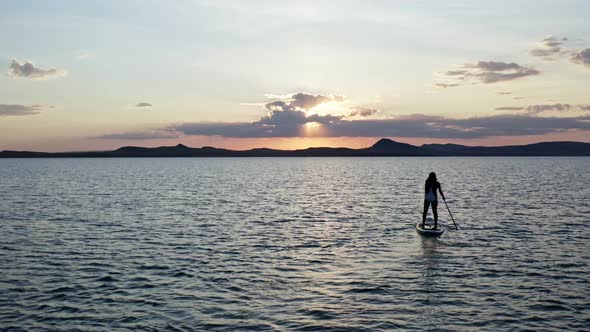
(293, 244)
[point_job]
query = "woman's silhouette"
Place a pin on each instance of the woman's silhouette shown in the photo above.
(430, 198)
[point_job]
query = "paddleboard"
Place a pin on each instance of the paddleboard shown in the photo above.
(428, 229)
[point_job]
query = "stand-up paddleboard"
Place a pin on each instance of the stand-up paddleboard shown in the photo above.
(428, 229)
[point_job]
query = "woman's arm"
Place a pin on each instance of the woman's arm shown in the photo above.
(440, 191)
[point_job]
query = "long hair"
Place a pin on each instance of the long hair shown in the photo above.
(431, 177)
(431, 181)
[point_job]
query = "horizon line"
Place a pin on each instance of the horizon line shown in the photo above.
(287, 150)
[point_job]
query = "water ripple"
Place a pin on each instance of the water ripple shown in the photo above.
(295, 244)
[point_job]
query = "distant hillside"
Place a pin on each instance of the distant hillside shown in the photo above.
(384, 147)
(388, 147)
(537, 149)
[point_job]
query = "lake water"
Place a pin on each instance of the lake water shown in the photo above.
(293, 244)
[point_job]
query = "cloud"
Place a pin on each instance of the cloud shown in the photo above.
(305, 101)
(289, 117)
(495, 66)
(491, 71)
(540, 108)
(487, 72)
(536, 109)
(300, 101)
(446, 85)
(509, 108)
(28, 70)
(550, 48)
(164, 133)
(417, 125)
(582, 58)
(286, 118)
(143, 104)
(279, 105)
(278, 123)
(16, 109)
(363, 111)
(455, 72)
(504, 93)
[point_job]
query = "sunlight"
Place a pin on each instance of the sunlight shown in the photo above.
(331, 108)
(312, 129)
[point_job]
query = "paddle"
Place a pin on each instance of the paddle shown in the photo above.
(444, 200)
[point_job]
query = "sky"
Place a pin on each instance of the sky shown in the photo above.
(98, 75)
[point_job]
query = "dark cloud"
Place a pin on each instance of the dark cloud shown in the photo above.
(509, 108)
(142, 135)
(495, 66)
(403, 126)
(488, 72)
(363, 111)
(582, 58)
(455, 72)
(518, 98)
(15, 110)
(277, 123)
(540, 108)
(306, 102)
(301, 101)
(492, 72)
(446, 85)
(279, 105)
(143, 104)
(504, 93)
(233, 129)
(286, 118)
(518, 125)
(289, 118)
(536, 109)
(550, 48)
(28, 70)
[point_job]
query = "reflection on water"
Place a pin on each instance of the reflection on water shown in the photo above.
(292, 244)
(429, 253)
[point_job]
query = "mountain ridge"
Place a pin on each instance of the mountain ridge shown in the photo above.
(382, 148)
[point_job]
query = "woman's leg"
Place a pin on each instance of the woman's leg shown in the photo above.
(435, 212)
(425, 212)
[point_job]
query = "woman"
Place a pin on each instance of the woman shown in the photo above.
(430, 189)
